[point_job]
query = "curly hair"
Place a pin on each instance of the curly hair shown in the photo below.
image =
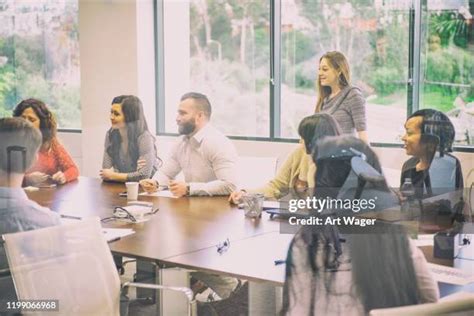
(48, 124)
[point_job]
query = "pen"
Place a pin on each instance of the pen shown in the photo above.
(278, 262)
(113, 239)
(70, 216)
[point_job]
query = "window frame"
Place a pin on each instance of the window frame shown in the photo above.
(413, 84)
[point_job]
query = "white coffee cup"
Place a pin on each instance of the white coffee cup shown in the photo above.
(132, 191)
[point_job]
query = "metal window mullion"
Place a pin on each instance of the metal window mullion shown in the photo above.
(275, 69)
(159, 70)
(416, 56)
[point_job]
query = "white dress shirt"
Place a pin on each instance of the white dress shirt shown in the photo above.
(208, 160)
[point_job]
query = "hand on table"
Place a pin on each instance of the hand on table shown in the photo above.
(178, 188)
(149, 185)
(36, 178)
(236, 196)
(59, 177)
(107, 174)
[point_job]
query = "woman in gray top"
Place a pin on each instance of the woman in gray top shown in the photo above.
(336, 95)
(130, 151)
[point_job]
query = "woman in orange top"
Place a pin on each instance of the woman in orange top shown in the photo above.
(53, 161)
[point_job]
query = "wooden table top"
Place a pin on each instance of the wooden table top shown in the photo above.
(180, 226)
(185, 232)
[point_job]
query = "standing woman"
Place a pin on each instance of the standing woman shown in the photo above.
(130, 152)
(53, 161)
(336, 95)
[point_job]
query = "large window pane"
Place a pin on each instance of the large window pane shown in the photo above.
(39, 56)
(448, 60)
(374, 36)
(219, 48)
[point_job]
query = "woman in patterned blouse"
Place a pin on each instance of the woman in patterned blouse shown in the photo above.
(130, 151)
(54, 163)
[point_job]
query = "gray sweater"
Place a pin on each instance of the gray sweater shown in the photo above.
(348, 109)
(124, 163)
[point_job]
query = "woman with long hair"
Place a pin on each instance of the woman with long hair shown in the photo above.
(297, 173)
(130, 151)
(338, 97)
(54, 162)
(332, 274)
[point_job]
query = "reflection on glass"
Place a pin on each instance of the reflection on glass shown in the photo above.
(374, 37)
(448, 64)
(221, 49)
(39, 56)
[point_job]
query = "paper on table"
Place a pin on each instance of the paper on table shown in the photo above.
(163, 193)
(67, 220)
(450, 275)
(116, 233)
(424, 240)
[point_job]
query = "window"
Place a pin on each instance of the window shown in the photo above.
(258, 61)
(39, 57)
(448, 64)
(373, 37)
(221, 49)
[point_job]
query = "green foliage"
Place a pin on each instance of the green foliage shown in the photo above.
(384, 80)
(303, 80)
(438, 100)
(6, 84)
(449, 28)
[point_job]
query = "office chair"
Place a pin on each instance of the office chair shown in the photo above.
(463, 305)
(72, 264)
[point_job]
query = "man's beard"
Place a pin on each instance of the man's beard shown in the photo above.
(187, 127)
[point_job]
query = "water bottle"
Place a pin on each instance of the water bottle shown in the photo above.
(408, 192)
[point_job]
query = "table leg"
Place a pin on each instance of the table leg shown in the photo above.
(264, 299)
(174, 303)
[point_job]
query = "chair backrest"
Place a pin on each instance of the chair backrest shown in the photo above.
(443, 173)
(460, 306)
(256, 171)
(71, 263)
(370, 188)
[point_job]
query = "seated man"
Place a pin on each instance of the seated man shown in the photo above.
(206, 157)
(429, 137)
(19, 144)
(208, 160)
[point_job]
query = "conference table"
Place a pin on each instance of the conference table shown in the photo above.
(180, 226)
(185, 232)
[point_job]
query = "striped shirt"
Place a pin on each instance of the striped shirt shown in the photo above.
(348, 109)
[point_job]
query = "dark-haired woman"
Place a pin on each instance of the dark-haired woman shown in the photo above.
(336, 95)
(297, 173)
(378, 268)
(54, 162)
(430, 135)
(130, 152)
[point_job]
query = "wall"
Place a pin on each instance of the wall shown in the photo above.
(114, 61)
